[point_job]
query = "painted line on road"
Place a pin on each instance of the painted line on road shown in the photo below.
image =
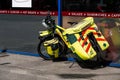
(30, 54)
(21, 53)
(114, 65)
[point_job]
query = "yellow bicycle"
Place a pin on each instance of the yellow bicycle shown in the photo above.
(84, 39)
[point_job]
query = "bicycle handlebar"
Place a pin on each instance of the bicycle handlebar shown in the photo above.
(49, 21)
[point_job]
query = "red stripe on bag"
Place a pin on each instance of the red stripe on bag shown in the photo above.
(90, 28)
(88, 47)
(100, 39)
(95, 33)
(84, 41)
(79, 39)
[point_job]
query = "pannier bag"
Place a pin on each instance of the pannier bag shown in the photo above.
(84, 37)
(52, 47)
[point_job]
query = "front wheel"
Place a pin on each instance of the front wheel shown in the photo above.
(43, 52)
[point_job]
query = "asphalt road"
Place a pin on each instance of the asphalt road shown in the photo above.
(20, 32)
(18, 67)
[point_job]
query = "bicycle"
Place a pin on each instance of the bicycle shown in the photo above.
(84, 39)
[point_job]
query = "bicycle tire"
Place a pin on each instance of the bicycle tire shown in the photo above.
(42, 51)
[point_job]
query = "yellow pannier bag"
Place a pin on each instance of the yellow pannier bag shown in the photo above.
(52, 47)
(80, 38)
(82, 48)
(102, 42)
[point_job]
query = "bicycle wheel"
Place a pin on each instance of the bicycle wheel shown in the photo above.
(43, 52)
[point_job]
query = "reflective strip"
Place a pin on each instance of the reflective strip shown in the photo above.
(100, 39)
(90, 28)
(88, 47)
(85, 40)
(79, 39)
(83, 43)
(96, 33)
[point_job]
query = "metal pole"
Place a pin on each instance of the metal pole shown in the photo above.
(60, 12)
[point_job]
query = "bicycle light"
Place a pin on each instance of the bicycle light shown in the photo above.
(44, 23)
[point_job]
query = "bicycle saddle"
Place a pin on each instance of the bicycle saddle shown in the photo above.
(82, 25)
(72, 23)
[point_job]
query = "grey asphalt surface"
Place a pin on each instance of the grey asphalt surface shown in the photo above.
(19, 67)
(20, 33)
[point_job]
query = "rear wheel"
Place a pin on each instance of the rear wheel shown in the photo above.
(93, 63)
